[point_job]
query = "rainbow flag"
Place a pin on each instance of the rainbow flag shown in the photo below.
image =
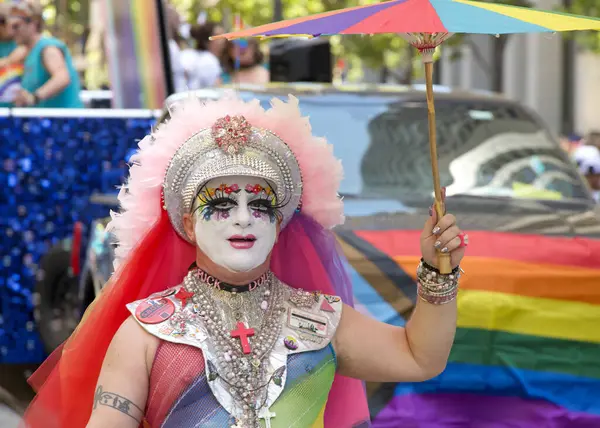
(10, 82)
(527, 349)
(134, 53)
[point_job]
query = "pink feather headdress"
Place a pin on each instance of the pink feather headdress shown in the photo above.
(140, 197)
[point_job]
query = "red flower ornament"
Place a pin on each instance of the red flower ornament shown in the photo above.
(231, 133)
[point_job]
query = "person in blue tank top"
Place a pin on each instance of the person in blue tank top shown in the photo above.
(7, 47)
(7, 44)
(10, 52)
(50, 79)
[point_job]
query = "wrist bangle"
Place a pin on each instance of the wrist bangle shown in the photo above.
(436, 300)
(455, 271)
(436, 288)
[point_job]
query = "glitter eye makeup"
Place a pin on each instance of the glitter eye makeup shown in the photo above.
(217, 202)
(265, 203)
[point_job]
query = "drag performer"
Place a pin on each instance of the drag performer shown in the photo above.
(230, 306)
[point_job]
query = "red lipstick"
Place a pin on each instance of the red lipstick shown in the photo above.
(242, 242)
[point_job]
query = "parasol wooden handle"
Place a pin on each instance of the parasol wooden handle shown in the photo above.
(444, 265)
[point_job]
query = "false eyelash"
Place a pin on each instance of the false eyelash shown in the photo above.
(220, 200)
(262, 203)
(210, 207)
(277, 205)
(203, 199)
(206, 200)
(274, 207)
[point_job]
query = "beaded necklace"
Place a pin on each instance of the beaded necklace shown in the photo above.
(231, 318)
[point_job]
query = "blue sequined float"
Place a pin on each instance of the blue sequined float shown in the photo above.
(50, 167)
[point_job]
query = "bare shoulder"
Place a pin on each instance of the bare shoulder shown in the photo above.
(122, 387)
(133, 341)
(52, 53)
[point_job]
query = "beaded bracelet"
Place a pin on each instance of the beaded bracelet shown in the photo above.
(434, 287)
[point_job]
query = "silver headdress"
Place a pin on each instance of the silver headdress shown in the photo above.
(231, 147)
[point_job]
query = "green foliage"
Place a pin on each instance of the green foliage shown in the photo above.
(587, 39)
(67, 19)
(373, 51)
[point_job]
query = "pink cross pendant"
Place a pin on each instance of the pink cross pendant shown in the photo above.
(243, 333)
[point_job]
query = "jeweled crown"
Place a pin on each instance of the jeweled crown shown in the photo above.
(232, 146)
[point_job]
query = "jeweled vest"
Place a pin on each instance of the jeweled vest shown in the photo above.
(184, 394)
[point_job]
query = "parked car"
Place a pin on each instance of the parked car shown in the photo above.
(532, 278)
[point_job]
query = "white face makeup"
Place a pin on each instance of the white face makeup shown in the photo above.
(236, 222)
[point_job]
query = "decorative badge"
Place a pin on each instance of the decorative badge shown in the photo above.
(183, 296)
(167, 293)
(304, 299)
(180, 321)
(166, 330)
(155, 311)
(278, 378)
(326, 307)
(307, 322)
(291, 343)
(331, 299)
(311, 338)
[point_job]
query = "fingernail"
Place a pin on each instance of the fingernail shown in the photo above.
(437, 244)
(444, 250)
(430, 211)
(436, 230)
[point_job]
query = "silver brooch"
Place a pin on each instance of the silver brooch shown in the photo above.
(304, 299)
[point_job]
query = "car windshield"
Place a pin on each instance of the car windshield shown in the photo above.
(484, 148)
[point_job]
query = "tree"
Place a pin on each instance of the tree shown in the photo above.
(587, 39)
(68, 20)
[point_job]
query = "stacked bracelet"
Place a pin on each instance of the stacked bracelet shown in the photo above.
(434, 287)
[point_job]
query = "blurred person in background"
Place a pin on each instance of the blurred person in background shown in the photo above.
(96, 75)
(7, 43)
(244, 63)
(593, 139)
(587, 158)
(50, 79)
(11, 59)
(175, 40)
(201, 63)
(570, 143)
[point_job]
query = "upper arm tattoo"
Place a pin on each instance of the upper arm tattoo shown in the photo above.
(117, 402)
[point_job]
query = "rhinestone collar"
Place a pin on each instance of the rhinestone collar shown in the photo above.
(220, 285)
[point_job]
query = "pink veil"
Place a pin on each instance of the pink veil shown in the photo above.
(308, 256)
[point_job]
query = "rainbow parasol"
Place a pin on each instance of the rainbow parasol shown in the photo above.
(425, 24)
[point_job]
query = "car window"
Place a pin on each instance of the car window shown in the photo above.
(484, 148)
